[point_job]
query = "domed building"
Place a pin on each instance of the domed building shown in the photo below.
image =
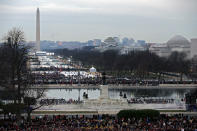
(109, 44)
(110, 41)
(177, 43)
(180, 44)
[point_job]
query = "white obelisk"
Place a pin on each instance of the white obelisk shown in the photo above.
(37, 30)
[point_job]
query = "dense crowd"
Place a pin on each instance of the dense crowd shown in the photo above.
(130, 101)
(58, 101)
(101, 123)
(56, 78)
(150, 101)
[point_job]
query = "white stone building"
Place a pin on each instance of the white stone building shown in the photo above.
(177, 43)
(161, 50)
(180, 44)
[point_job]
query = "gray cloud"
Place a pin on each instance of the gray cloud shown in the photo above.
(140, 18)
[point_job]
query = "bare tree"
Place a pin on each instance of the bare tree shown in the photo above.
(14, 57)
(31, 98)
(15, 38)
(15, 74)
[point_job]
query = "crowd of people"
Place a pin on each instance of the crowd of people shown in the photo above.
(56, 78)
(101, 123)
(59, 101)
(150, 101)
(130, 101)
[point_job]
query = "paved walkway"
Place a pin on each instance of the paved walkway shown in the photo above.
(76, 86)
(103, 109)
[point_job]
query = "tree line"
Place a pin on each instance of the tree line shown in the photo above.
(138, 63)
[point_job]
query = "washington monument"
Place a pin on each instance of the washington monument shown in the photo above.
(37, 30)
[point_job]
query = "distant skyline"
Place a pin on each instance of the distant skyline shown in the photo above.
(82, 20)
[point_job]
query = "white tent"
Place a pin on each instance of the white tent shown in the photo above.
(92, 70)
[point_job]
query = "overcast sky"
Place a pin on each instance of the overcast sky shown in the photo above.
(81, 20)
